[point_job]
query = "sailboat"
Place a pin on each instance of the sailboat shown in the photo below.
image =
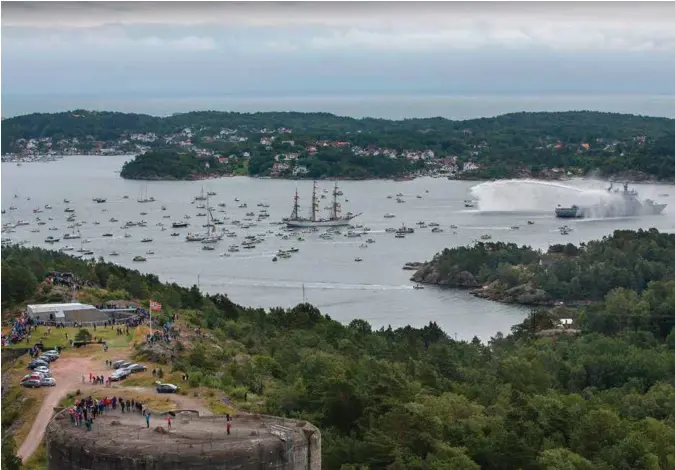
(144, 197)
(334, 219)
(211, 236)
(201, 196)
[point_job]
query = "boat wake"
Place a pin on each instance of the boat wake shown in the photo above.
(308, 285)
(519, 196)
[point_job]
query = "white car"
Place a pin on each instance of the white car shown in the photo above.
(48, 382)
(43, 370)
(53, 353)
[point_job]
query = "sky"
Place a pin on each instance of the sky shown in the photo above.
(203, 49)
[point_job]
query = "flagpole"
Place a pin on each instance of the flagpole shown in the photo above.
(151, 319)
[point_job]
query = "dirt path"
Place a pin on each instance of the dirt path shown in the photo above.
(68, 373)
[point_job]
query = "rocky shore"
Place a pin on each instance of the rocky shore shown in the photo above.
(525, 294)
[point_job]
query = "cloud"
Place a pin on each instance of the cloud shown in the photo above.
(404, 26)
(102, 41)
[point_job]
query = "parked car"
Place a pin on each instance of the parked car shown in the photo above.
(117, 364)
(47, 358)
(166, 388)
(33, 376)
(43, 370)
(32, 383)
(136, 368)
(37, 363)
(48, 382)
(124, 365)
(51, 353)
(120, 374)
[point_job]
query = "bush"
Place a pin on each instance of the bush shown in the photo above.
(83, 335)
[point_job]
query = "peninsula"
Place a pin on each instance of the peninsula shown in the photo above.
(642, 261)
(321, 145)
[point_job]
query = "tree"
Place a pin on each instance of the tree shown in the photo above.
(83, 335)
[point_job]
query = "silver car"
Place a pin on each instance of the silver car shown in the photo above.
(48, 382)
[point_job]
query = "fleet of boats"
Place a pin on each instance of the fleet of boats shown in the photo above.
(292, 229)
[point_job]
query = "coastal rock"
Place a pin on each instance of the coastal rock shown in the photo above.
(524, 294)
(430, 274)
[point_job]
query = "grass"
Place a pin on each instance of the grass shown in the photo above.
(29, 401)
(57, 337)
(37, 461)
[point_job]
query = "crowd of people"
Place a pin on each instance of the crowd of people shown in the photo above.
(22, 328)
(85, 411)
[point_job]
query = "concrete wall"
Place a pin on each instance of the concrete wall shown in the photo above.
(70, 449)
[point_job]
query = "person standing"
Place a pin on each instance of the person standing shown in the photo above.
(147, 419)
(168, 421)
(228, 426)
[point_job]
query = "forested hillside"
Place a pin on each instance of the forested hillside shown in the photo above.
(415, 399)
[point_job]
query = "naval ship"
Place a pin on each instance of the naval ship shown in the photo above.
(627, 206)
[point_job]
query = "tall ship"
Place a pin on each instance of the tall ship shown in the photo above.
(334, 219)
(624, 204)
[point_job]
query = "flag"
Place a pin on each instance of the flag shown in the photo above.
(156, 306)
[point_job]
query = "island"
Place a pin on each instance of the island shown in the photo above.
(586, 389)
(547, 145)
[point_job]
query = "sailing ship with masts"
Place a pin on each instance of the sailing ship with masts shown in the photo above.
(211, 236)
(143, 197)
(335, 219)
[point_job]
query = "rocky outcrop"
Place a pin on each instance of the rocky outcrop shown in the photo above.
(525, 294)
(428, 273)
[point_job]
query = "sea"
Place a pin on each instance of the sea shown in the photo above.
(323, 272)
(387, 106)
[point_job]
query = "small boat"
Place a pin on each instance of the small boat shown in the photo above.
(514, 227)
(207, 248)
(436, 230)
(453, 226)
(99, 200)
(530, 222)
(127, 235)
(47, 206)
(66, 201)
(149, 252)
(144, 213)
(107, 235)
(399, 235)
(146, 240)
(211, 193)
(51, 240)
(139, 258)
(113, 219)
(486, 237)
(358, 259)
(113, 253)
(175, 234)
(418, 287)
(389, 215)
(69, 209)
(274, 259)
(163, 208)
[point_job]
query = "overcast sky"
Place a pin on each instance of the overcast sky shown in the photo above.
(258, 48)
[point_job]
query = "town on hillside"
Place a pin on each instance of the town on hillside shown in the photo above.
(478, 151)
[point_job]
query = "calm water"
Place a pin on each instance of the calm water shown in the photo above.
(376, 289)
(382, 106)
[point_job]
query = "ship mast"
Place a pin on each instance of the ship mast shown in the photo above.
(336, 205)
(315, 203)
(294, 214)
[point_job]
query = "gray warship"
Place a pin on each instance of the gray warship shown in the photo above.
(625, 204)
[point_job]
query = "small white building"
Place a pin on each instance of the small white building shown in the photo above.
(66, 313)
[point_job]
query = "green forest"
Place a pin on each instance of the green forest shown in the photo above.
(166, 164)
(414, 398)
(507, 145)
